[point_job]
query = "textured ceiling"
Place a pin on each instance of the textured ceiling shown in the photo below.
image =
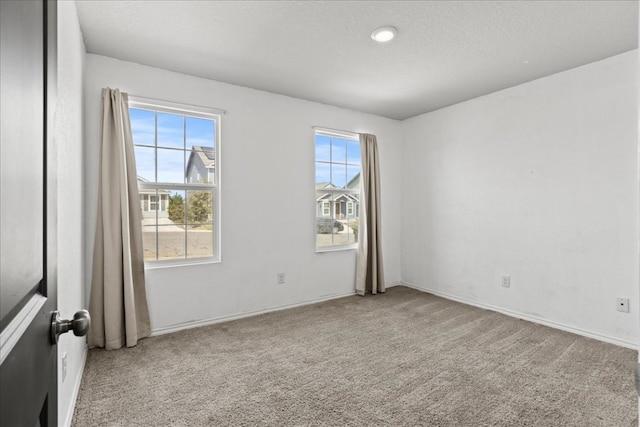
(445, 52)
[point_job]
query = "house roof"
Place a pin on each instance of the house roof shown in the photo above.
(354, 182)
(325, 185)
(150, 190)
(328, 186)
(206, 155)
(342, 197)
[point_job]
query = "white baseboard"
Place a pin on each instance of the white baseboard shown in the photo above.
(392, 284)
(68, 418)
(541, 321)
(213, 321)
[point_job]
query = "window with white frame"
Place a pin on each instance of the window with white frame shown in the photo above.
(326, 208)
(174, 146)
(338, 165)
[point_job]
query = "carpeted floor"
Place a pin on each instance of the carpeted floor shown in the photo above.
(403, 358)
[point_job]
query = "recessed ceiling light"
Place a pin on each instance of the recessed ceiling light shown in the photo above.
(384, 34)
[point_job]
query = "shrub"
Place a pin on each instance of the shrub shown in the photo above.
(176, 209)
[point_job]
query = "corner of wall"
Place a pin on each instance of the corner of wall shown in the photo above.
(71, 211)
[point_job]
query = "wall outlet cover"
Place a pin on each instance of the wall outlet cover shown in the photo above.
(623, 305)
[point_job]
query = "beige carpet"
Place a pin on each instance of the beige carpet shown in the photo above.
(403, 358)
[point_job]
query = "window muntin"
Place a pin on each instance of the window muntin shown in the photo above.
(180, 215)
(337, 190)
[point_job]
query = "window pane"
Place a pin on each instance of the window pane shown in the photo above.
(149, 242)
(199, 206)
(200, 241)
(323, 148)
(339, 175)
(353, 152)
(171, 242)
(170, 130)
(200, 132)
(145, 163)
(200, 219)
(176, 208)
(201, 165)
(324, 219)
(323, 173)
(338, 150)
(336, 218)
(143, 126)
(353, 177)
(170, 166)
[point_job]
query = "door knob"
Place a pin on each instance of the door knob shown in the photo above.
(80, 325)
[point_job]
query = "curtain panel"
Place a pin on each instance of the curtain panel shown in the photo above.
(369, 270)
(118, 301)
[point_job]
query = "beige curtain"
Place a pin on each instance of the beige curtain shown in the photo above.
(370, 272)
(118, 303)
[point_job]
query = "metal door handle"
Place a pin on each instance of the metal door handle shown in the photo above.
(80, 325)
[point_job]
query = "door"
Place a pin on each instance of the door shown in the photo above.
(28, 371)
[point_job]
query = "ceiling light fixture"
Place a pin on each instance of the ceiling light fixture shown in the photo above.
(384, 34)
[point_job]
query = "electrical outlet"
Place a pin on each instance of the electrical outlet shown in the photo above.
(64, 366)
(623, 305)
(506, 281)
(280, 278)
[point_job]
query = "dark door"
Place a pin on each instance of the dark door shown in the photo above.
(28, 371)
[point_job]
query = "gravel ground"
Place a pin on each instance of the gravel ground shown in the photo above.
(171, 244)
(199, 243)
(343, 237)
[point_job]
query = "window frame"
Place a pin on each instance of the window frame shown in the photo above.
(160, 106)
(326, 208)
(350, 210)
(335, 193)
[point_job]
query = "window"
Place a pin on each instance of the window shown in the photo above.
(337, 190)
(174, 146)
(326, 209)
(152, 203)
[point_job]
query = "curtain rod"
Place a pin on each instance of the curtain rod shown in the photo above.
(175, 105)
(326, 129)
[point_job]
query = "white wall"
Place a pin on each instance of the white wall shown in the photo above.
(539, 182)
(69, 145)
(267, 167)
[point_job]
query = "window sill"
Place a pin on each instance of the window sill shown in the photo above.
(152, 265)
(336, 249)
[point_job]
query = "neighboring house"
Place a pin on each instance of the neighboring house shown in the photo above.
(343, 206)
(201, 165)
(152, 201)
